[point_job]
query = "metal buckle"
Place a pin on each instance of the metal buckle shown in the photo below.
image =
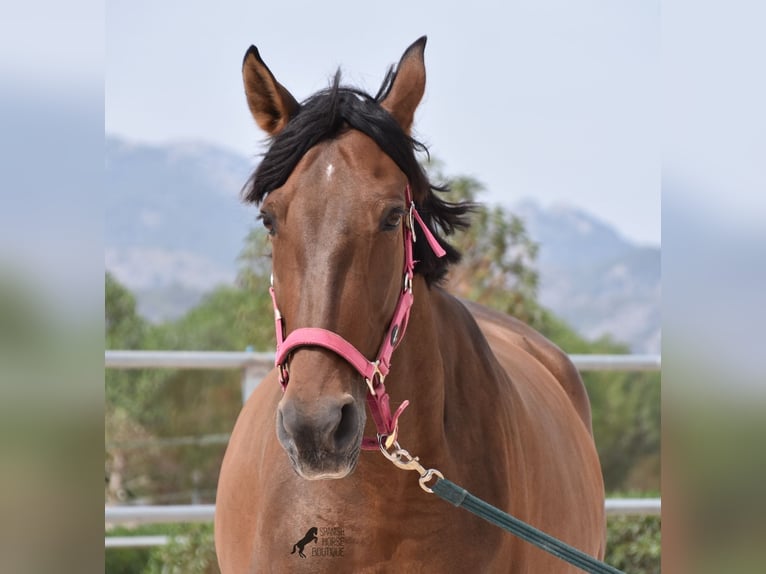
(404, 460)
(400, 457)
(411, 221)
(381, 377)
(284, 375)
(407, 283)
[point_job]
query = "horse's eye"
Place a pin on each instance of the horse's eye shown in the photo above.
(267, 222)
(393, 219)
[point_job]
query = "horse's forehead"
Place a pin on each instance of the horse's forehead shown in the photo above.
(351, 158)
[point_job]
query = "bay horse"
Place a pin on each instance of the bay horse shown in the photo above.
(493, 405)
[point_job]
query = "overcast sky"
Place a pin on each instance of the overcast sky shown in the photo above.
(552, 100)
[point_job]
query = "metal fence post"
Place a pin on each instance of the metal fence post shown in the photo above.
(252, 374)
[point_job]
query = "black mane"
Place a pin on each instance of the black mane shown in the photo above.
(326, 115)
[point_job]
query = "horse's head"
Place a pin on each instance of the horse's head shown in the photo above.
(332, 194)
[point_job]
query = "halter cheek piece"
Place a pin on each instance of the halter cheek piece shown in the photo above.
(374, 372)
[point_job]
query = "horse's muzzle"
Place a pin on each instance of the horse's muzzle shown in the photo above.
(323, 438)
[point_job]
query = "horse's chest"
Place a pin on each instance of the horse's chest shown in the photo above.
(327, 534)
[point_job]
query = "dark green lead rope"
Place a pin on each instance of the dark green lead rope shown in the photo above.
(460, 497)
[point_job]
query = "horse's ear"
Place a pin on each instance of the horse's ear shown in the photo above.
(270, 103)
(408, 85)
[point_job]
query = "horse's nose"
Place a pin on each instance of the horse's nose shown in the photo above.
(328, 424)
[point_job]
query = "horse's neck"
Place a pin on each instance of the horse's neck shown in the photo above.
(439, 351)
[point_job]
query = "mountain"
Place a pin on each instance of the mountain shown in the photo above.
(595, 279)
(174, 222)
(175, 225)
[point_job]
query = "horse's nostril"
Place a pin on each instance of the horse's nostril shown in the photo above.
(329, 425)
(347, 427)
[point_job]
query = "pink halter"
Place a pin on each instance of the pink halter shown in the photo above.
(374, 372)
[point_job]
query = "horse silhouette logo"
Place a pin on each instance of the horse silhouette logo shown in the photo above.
(311, 536)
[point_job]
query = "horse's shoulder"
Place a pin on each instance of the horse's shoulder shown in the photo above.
(502, 329)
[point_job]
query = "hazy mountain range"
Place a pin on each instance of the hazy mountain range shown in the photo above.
(595, 279)
(174, 226)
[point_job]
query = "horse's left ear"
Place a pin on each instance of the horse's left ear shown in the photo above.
(408, 85)
(270, 103)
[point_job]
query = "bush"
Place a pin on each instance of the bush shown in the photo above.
(131, 560)
(633, 544)
(126, 560)
(191, 552)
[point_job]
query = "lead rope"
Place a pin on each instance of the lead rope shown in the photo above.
(460, 497)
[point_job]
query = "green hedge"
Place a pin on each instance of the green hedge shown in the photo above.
(191, 553)
(633, 544)
(133, 560)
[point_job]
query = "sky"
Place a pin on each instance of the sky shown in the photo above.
(552, 100)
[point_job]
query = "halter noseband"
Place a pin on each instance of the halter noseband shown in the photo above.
(374, 372)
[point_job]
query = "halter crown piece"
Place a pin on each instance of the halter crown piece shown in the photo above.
(374, 372)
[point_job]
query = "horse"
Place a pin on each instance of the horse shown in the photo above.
(357, 234)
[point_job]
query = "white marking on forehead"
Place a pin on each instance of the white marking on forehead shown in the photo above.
(329, 169)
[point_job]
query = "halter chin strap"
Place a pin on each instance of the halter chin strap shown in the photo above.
(374, 372)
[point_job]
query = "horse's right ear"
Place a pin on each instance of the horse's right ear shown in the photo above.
(270, 103)
(408, 85)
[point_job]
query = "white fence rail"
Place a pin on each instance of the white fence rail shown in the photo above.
(265, 361)
(159, 514)
(135, 541)
(254, 366)
(136, 515)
